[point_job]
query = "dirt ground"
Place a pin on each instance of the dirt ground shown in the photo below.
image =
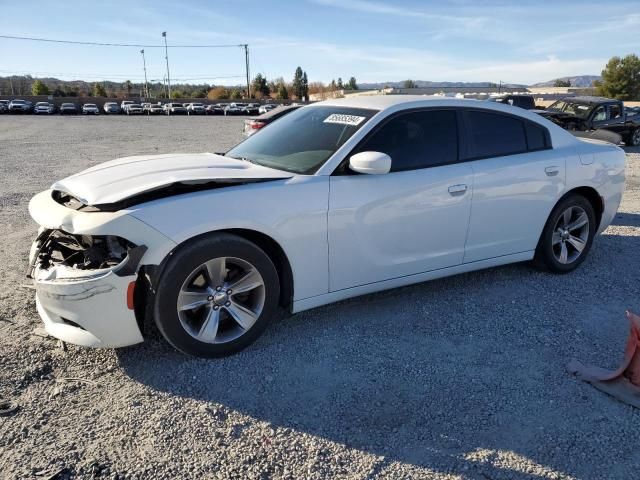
(457, 378)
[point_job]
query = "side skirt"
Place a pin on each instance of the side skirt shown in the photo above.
(331, 297)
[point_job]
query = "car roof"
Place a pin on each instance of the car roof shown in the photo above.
(385, 102)
(590, 99)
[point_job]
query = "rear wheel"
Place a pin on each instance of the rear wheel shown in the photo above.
(216, 296)
(633, 139)
(567, 235)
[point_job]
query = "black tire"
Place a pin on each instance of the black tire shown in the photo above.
(181, 265)
(545, 258)
(633, 139)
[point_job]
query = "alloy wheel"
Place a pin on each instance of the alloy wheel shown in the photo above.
(570, 235)
(221, 300)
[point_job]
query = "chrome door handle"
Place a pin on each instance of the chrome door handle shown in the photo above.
(457, 189)
(552, 171)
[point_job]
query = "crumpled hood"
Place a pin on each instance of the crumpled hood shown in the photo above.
(116, 180)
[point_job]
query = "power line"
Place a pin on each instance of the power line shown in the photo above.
(106, 76)
(100, 44)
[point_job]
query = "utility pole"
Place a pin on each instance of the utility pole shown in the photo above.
(246, 60)
(166, 56)
(144, 66)
(500, 87)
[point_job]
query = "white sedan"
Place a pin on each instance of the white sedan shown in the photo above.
(337, 199)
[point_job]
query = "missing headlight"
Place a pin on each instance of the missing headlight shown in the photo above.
(83, 252)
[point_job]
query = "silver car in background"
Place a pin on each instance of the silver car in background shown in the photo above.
(134, 109)
(43, 108)
(111, 107)
(19, 106)
(90, 109)
(195, 109)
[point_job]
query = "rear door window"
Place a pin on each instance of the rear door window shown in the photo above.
(493, 135)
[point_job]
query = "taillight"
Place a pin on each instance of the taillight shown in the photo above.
(257, 125)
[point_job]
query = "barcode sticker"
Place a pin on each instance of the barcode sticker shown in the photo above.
(344, 119)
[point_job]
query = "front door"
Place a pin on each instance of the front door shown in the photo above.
(411, 220)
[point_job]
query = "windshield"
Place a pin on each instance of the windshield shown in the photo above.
(301, 141)
(579, 110)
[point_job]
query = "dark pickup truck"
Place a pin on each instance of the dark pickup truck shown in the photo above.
(587, 114)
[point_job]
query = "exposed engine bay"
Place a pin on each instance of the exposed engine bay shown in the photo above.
(80, 252)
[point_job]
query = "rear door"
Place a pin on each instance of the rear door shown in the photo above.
(517, 179)
(615, 120)
(411, 220)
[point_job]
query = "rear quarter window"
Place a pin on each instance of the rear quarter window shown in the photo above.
(536, 136)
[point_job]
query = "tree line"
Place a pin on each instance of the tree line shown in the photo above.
(620, 80)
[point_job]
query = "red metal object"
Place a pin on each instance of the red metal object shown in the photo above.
(623, 383)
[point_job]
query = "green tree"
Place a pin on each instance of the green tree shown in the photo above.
(236, 94)
(332, 86)
(128, 86)
(39, 88)
(98, 90)
(283, 93)
(260, 87)
(621, 78)
(296, 85)
(305, 87)
(352, 85)
(561, 83)
(409, 84)
(340, 85)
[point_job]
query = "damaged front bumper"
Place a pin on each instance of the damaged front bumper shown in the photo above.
(85, 268)
(93, 310)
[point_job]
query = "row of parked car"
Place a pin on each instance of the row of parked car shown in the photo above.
(129, 107)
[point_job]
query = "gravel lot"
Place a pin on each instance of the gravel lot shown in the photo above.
(457, 378)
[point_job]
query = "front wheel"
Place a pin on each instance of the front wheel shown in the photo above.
(633, 140)
(216, 296)
(567, 235)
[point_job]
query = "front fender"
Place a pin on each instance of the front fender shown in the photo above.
(293, 212)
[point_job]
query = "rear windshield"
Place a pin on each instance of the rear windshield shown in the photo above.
(301, 141)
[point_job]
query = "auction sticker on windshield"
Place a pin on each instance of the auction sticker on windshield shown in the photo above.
(344, 119)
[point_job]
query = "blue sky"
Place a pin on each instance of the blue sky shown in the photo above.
(382, 40)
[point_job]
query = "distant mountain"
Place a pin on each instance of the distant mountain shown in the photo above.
(578, 81)
(426, 83)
